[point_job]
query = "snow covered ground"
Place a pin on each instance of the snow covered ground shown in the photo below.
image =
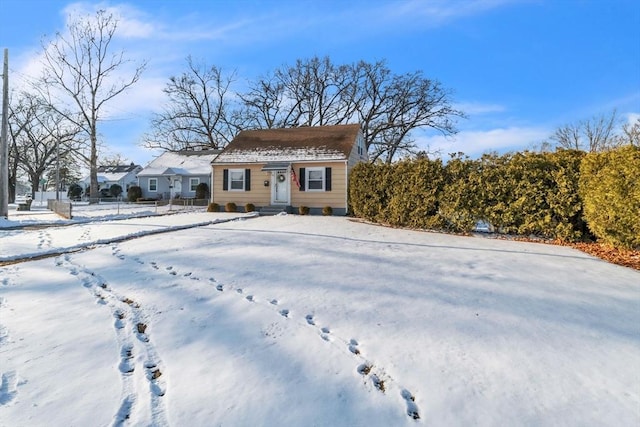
(220, 319)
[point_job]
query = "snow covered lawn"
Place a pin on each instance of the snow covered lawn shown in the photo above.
(310, 321)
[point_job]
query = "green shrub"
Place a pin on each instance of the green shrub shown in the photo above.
(230, 207)
(74, 192)
(115, 190)
(327, 211)
(213, 207)
(460, 207)
(134, 193)
(367, 195)
(522, 193)
(303, 210)
(610, 190)
(249, 207)
(202, 191)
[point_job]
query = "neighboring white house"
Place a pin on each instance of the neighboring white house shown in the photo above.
(176, 174)
(123, 175)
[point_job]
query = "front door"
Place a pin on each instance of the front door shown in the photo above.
(279, 187)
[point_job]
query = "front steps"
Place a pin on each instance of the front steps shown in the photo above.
(274, 209)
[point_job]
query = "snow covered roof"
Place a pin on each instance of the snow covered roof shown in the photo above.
(291, 145)
(181, 163)
(113, 173)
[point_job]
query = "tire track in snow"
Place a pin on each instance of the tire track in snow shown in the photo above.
(374, 376)
(139, 362)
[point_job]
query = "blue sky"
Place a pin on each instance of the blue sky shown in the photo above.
(519, 69)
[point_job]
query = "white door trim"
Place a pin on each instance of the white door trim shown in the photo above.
(280, 187)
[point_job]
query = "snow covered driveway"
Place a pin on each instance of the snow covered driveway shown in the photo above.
(315, 321)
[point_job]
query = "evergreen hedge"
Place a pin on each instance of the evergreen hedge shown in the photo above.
(610, 188)
(526, 193)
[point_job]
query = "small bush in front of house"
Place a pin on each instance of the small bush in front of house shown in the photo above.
(230, 207)
(249, 207)
(213, 207)
(134, 193)
(115, 190)
(75, 191)
(202, 191)
(327, 211)
(303, 210)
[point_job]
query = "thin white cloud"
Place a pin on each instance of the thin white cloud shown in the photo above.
(438, 12)
(132, 23)
(474, 143)
(473, 108)
(632, 117)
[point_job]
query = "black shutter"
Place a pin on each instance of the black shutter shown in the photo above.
(327, 179)
(303, 179)
(225, 179)
(247, 180)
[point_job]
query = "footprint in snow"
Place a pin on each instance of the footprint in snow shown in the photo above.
(284, 312)
(124, 412)
(126, 365)
(249, 298)
(140, 330)
(412, 408)
(156, 385)
(274, 301)
(378, 383)
(353, 346)
(310, 320)
(8, 387)
(119, 323)
(239, 290)
(325, 333)
(220, 288)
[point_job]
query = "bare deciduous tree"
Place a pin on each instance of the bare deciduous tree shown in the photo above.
(591, 135)
(197, 114)
(392, 106)
(38, 135)
(316, 92)
(313, 92)
(81, 75)
(631, 133)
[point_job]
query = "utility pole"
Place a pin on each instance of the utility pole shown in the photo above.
(4, 143)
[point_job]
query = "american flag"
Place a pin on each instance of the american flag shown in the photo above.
(295, 177)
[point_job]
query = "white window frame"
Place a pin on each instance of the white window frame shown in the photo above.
(193, 183)
(231, 181)
(308, 181)
(154, 180)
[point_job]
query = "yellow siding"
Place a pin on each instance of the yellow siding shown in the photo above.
(259, 195)
(336, 198)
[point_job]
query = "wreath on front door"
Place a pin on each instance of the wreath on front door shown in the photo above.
(281, 178)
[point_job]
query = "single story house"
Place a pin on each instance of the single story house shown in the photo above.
(122, 175)
(284, 169)
(174, 175)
